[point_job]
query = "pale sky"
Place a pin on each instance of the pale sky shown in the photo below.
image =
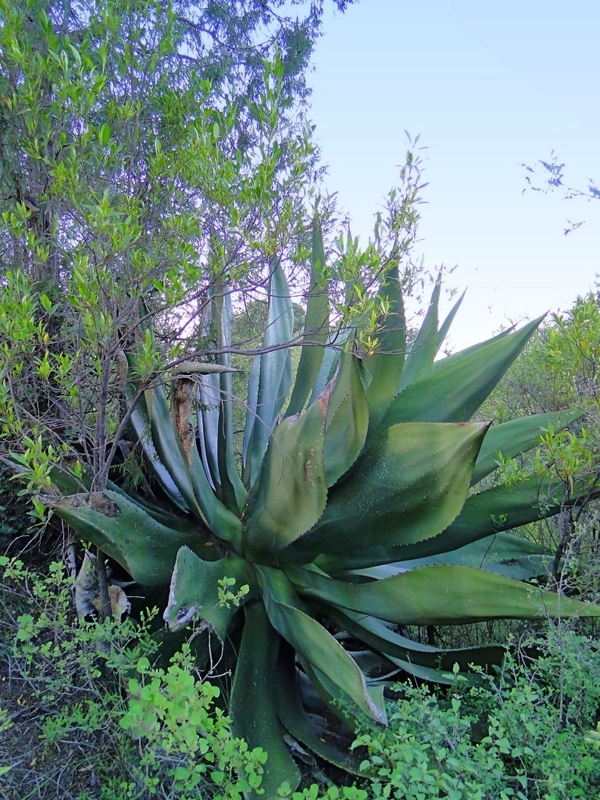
(487, 86)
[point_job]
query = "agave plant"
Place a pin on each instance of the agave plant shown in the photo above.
(360, 505)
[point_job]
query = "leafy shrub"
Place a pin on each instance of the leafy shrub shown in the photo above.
(70, 731)
(522, 734)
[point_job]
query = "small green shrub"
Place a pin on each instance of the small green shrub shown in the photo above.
(523, 734)
(98, 720)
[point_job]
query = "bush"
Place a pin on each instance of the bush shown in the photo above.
(86, 714)
(522, 734)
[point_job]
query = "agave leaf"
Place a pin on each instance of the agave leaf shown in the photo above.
(313, 642)
(271, 378)
(441, 595)
(347, 420)
(189, 476)
(378, 635)
(408, 486)
(253, 700)
(447, 323)
(503, 553)
(121, 528)
(207, 418)
(194, 590)
(316, 326)
(292, 491)
(169, 449)
(456, 389)
(310, 730)
(450, 359)
(516, 437)
(232, 488)
(384, 367)
(502, 508)
(331, 358)
(423, 349)
(140, 422)
(491, 511)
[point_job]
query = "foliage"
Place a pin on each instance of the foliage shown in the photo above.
(62, 691)
(522, 734)
(352, 505)
(559, 369)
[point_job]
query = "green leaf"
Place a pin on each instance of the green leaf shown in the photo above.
(313, 642)
(384, 367)
(458, 387)
(253, 700)
(445, 326)
(292, 491)
(378, 635)
(194, 590)
(423, 349)
(441, 595)
(190, 478)
(347, 420)
(104, 135)
(491, 511)
(121, 528)
(233, 491)
(502, 508)
(140, 422)
(309, 729)
(503, 553)
(516, 437)
(270, 379)
(408, 486)
(316, 326)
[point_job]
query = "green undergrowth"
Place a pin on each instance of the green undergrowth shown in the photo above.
(87, 712)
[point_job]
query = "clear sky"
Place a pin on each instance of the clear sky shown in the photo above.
(488, 86)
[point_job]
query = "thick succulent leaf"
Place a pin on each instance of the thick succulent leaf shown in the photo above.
(316, 326)
(253, 701)
(347, 420)
(441, 595)
(222, 522)
(194, 590)
(331, 357)
(455, 390)
(207, 419)
(408, 486)
(502, 508)
(503, 553)
(309, 729)
(310, 639)
(140, 422)
(336, 701)
(378, 635)
(232, 489)
(450, 359)
(491, 511)
(384, 367)
(447, 323)
(168, 447)
(172, 456)
(189, 476)
(292, 492)
(516, 437)
(121, 528)
(270, 380)
(424, 347)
